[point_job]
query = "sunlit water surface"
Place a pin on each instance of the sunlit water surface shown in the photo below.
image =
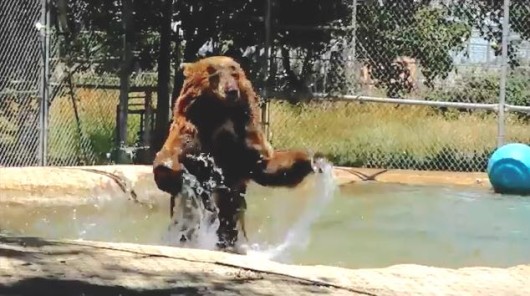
(361, 225)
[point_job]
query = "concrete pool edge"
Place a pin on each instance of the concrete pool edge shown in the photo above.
(347, 175)
(344, 175)
(65, 185)
(82, 184)
(30, 263)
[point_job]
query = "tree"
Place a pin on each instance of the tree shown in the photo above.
(237, 26)
(164, 73)
(229, 27)
(311, 28)
(419, 30)
(92, 33)
(487, 17)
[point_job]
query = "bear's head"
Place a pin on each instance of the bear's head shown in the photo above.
(216, 77)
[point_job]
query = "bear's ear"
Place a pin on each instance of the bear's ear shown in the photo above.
(185, 68)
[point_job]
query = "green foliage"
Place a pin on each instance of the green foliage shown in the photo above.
(93, 31)
(90, 33)
(487, 17)
(416, 30)
(445, 159)
(484, 89)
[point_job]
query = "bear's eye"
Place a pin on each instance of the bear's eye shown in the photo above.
(211, 70)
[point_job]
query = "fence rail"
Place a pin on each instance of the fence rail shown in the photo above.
(388, 84)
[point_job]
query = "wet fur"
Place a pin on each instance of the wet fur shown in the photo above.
(206, 122)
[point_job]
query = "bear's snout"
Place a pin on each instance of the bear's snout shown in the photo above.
(232, 94)
(231, 91)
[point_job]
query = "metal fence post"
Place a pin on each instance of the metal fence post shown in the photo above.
(267, 55)
(44, 94)
(125, 72)
(503, 79)
(353, 45)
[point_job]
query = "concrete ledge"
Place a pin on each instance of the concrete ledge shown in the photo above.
(35, 264)
(345, 175)
(77, 185)
(86, 184)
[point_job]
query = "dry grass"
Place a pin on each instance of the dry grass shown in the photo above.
(364, 134)
(354, 133)
(93, 135)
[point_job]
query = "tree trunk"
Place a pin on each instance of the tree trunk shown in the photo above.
(164, 68)
(190, 53)
(177, 80)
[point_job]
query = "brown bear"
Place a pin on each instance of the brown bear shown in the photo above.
(217, 114)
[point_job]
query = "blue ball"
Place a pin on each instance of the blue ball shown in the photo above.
(509, 169)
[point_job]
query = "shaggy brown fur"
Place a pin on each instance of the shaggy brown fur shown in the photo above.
(217, 114)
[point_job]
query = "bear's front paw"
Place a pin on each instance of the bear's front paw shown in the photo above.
(319, 163)
(168, 180)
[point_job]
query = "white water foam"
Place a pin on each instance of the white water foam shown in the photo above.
(191, 212)
(298, 236)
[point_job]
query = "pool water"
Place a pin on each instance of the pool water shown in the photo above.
(376, 225)
(364, 225)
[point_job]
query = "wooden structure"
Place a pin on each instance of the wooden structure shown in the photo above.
(139, 103)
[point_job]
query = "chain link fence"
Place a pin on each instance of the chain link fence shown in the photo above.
(416, 86)
(84, 105)
(83, 118)
(518, 75)
(387, 136)
(381, 84)
(77, 125)
(20, 83)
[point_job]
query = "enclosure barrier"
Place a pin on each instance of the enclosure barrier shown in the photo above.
(430, 85)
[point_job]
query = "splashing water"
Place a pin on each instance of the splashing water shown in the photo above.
(192, 214)
(195, 215)
(298, 236)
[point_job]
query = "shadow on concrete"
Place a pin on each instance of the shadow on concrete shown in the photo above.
(59, 269)
(57, 286)
(31, 242)
(46, 286)
(25, 241)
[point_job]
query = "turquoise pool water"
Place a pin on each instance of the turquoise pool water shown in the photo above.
(376, 225)
(363, 225)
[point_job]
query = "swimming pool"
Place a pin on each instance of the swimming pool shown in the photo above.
(365, 225)
(376, 225)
